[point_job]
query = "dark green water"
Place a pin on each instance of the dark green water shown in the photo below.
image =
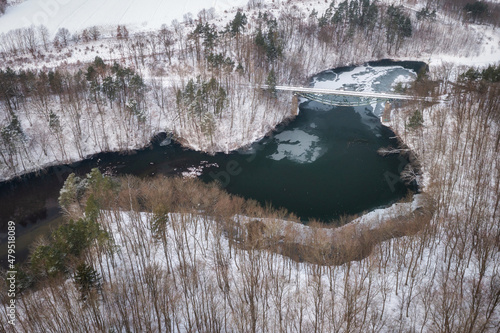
(321, 172)
(322, 165)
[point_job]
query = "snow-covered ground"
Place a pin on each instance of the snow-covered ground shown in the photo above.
(193, 266)
(76, 15)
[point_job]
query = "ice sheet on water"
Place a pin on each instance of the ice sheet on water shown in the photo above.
(298, 146)
(364, 78)
(368, 79)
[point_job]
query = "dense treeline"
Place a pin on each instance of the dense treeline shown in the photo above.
(472, 11)
(115, 83)
(66, 102)
(488, 74)
(263, 39)
(68, 246)
(347, 16)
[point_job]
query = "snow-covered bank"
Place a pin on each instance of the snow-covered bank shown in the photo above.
(43, 146)
(168, 277)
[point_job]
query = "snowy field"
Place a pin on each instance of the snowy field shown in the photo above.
(76, 15)
(149, 15)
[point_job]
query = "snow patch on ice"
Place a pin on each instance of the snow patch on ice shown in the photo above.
(366, 78)
(297, 146)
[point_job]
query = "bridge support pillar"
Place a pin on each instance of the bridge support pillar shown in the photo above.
(386, 116)
(295, 105)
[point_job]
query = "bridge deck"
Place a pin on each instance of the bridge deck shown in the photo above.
(342, 92)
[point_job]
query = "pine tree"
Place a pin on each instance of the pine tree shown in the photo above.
(340, 13)
(259, 38)
(54, 122)
(238, 23)
(86, 279)
(476, 10)
(416, 120)
(425, 13)
(398, 26)
(69, 193)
